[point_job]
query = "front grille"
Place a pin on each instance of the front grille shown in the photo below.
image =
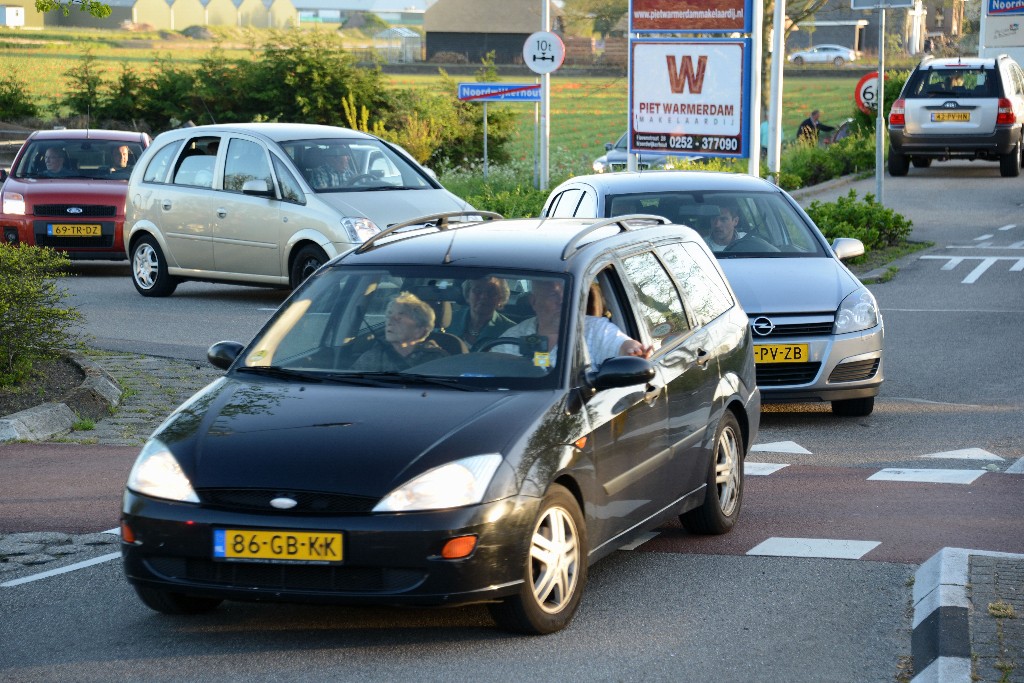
(102, 242)
(855, 371)
(799, 329)
(61, 210)
(782, 374)
(309, 502)
(287, 577)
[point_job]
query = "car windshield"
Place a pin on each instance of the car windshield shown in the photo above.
(94, 159)
(960, 82)
(474, 329)
(353, 165)
(734, 224)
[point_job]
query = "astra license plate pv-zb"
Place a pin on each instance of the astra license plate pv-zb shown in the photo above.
(781, 353)
(74, 230)
(277, 546)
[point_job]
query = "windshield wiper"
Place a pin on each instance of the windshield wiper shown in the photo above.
(377, 188)
(281, 373)
(385, 378)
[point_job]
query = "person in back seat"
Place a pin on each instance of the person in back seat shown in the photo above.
(481, 319)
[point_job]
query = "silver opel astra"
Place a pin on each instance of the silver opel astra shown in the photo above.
(817, 329)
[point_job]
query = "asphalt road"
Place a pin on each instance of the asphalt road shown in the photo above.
(675, 608)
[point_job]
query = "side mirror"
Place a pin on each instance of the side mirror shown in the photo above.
(621, 371)
(3, 174)
(258, 187)
(223, 354)
(608, 146)
(847, 247)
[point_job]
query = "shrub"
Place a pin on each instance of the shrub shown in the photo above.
(34, 323)
(894, 80)
(15, 102)
(872, 223)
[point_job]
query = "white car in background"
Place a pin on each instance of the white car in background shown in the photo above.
(823, 54)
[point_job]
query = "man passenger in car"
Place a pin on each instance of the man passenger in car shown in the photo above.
(481, 319)
(409, 323)
(723, 229)
(54, 158)
(539, 334)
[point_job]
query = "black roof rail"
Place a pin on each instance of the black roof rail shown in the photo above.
(435, 220)
(625, 222)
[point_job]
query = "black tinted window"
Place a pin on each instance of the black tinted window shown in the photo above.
(954, 82)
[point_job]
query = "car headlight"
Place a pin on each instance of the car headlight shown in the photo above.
(599, 165)
(458, 483)
(14, 203)
(156, 473)
(359, 229)
(859, 311)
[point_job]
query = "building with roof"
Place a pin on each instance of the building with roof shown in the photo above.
(476, 27)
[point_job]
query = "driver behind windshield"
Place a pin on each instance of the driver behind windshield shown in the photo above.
(723, 229)
(405, 344)
(334, 169)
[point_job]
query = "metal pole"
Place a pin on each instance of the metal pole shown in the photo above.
(485, 140)
(545, 102)
(880, 122)
(632, 160)
(756, 49)
(774, 142)
(536, 146)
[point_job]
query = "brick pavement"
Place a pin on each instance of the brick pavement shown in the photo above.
(996, 619)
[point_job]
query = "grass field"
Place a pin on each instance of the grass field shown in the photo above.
(585, 112)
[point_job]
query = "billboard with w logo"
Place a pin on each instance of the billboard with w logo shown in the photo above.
(690, 97)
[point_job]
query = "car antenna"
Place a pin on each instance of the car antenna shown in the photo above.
(208, 112)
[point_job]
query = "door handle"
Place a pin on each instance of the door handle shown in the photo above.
(221, 213)
(166, 205)
(703, 357)
(651, 394)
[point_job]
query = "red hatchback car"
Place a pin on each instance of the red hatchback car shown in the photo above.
(66, 190)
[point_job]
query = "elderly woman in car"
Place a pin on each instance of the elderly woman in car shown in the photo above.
(409, 322)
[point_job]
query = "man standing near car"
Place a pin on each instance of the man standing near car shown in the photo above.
(810, 127)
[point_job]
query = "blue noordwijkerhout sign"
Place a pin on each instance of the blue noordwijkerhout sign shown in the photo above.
(499, 92)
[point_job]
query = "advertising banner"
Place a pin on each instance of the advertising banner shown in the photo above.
(690, 16)
(690, 97)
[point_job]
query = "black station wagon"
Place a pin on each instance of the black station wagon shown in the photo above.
(457, 411)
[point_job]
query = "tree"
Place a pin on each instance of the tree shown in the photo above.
(796, 11)
(93, 7)
(595, 16)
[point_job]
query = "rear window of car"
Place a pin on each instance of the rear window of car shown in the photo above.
(959, 82)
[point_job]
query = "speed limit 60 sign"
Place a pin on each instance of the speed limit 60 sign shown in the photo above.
(867, 93)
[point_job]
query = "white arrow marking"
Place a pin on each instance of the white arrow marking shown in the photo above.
(761, 469)
(965, 454)
(927, 476)
(814, 547)
(780, 447)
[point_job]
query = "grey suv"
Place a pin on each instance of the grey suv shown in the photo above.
(959, 108)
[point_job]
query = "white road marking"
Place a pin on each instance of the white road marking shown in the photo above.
(1011, 226)
(63, 570)
(639, 541)
(965, 454)
(761, 469)
(927, 476)
(780, 447)
(1015, 468)
(983, 237)
(814, 547)
(979, 270)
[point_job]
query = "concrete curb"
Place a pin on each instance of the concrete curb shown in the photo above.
(93, 398)
(941, 640)
(811, 190)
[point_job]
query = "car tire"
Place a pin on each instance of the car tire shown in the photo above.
(921, 162)
(899, 163)
(167, 602)
(798, 61)
(724, 496)
(854, 407)
(307, 260)
(1009, 164)
(149, 269)
(838, 62)
(554, 571)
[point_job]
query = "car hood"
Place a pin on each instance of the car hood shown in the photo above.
(340, 438)
(387, 207)
(70, 190)
(789, 285)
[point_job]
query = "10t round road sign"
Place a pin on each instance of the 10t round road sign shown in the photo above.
(543, 52)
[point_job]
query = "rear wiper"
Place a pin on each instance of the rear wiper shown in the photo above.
(282, 373)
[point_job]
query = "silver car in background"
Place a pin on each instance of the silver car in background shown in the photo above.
(266, 203)
(817, 329)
